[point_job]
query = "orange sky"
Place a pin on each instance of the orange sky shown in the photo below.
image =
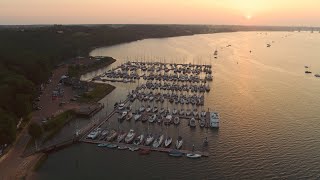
(247, 12)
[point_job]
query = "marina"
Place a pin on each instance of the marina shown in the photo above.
(168, 94)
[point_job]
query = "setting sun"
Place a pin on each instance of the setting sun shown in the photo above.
(248, 17)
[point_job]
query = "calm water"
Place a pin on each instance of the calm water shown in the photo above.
(270, 118)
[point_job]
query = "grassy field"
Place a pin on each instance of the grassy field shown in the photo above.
(54, 125)
(99, 92)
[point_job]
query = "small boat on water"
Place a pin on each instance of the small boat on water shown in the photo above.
(112, 135)
(179, 142)
(123, 115)
(111, 146)
(158, 141)
(203, 114)
(205, 142)
(141, 109)
(138, 140)
(155, 109)
(129, 116)
(317, 75)
(144, 151)
(192, 122)
(188, 112)
(195, 112)
(134, 148)
(175, 153)
(121, 136)
(202, 122)
(152, 118)
(168, 119)
(122, 147)
(130, 136)
(176, 120)
(181, 113)
(214, 120)
(308, 72)
(175, 111)
(94, 134)
(144, 118)
(149, 139)
(162, 110)
(121, 106)
(137, 117)
(168, 142)
(103, 145)
(193, 155)
(148, 109)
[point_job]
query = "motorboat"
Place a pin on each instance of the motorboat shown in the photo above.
(158, 141)
(175, 153)
(307, 72)
(159, 119)
(142, 109)
(94, 134)
(122, 147)
(168, 141)
(162, 110)
(152, 118)
(175, 111)
(138, 140)
(181, 113)
(149, 139)
(112, 135)
(214, 120)
(168, 119)
(192, 122)
(136, 117)
(205, 142)
(111, 146)
(176, 120)
(129, 116)
(103, 145)
(121, 106)
(193, 155)
(317, 75)
(179, 142)
(148, 109)
(188, 112)
(123, 115)
(134, 148)
(155, 109)
(121, 136)
(130, 136)
(202, 123)
(195, 112)
(203, 114)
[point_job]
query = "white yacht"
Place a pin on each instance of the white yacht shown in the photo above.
(179, 142)
(214, 120)
(130, 136)
(136, 117)
(158, 141)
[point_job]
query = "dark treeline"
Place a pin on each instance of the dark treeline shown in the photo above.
(28, 54)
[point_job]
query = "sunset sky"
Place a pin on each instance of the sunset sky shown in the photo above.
(246, 12)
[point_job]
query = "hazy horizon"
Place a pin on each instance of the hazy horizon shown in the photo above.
(209, 12)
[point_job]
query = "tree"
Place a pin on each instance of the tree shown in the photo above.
(7, 127)
(35, 130)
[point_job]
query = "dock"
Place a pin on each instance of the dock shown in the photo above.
(159, 149)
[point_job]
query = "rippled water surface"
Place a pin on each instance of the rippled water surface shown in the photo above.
(270, 124)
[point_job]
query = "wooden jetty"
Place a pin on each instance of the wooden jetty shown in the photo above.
(159, 149)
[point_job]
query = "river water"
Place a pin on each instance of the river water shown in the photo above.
(270, 118)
